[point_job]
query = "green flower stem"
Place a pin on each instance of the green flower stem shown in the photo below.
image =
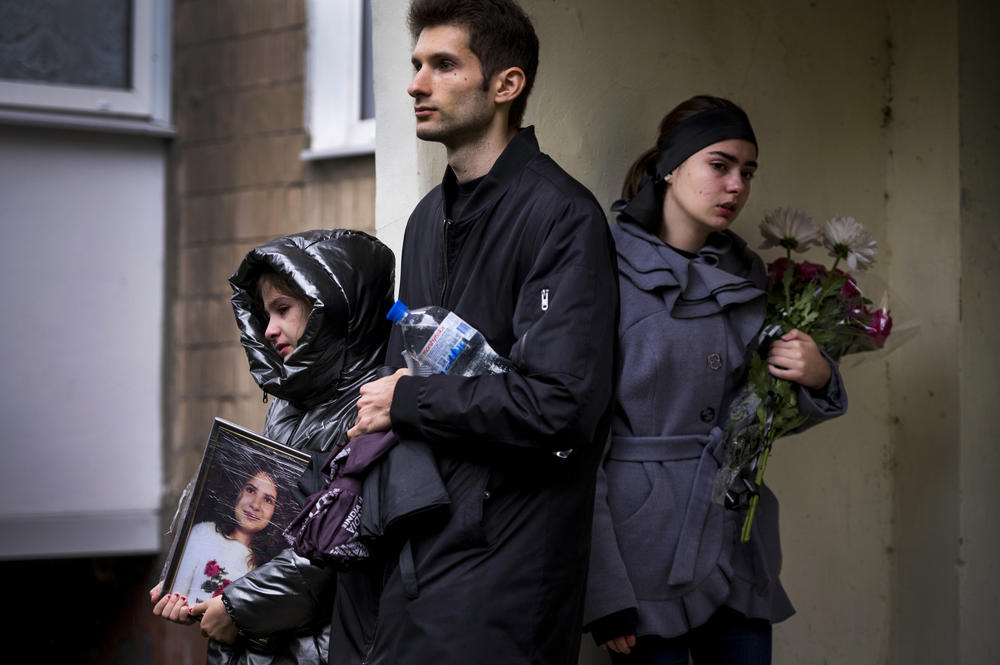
(787, 283)
(748, 520)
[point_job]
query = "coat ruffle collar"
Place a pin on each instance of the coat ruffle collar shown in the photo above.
(723, 276)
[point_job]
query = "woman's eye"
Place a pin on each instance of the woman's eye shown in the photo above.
(718, 166)
(748, 175)
(269, 500)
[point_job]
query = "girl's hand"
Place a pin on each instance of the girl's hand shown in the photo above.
(215, 620)
(622, 644)
(154, 593)
(797, 358)
(172, 607)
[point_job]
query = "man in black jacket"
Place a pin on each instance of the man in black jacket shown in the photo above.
(522, 252)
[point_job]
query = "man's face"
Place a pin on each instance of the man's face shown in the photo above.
(449, 101)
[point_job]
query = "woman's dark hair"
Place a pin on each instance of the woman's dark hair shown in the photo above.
(500, 35)
(230, 475)
(679, 114)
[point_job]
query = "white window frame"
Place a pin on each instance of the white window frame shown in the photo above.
(333, 81)
(148, 99)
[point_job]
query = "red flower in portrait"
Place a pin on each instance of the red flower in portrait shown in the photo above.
(212, 568)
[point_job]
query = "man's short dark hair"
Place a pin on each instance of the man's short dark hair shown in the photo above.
(500, 34)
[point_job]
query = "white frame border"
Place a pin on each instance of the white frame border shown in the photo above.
(333, 82)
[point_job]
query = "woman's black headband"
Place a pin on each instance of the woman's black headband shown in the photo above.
(687, 138)
(700, 131)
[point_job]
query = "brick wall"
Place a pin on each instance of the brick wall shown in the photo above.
(237, 181)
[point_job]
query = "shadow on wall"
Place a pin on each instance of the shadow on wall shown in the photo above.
(93, 612)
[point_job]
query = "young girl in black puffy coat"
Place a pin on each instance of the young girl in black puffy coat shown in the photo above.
(311, 312)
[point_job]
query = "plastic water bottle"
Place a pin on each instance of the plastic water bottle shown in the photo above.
(437, 341)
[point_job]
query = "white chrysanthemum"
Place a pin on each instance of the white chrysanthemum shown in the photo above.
(848, 239)
(788, 228)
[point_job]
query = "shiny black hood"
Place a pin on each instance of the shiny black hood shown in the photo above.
(348, 277)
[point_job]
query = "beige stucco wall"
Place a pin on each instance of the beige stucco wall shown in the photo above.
(860, 111)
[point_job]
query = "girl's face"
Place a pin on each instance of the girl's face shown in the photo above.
(255, 503)
(287, 316)
(706, 192)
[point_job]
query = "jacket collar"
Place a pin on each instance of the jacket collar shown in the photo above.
(521, 149)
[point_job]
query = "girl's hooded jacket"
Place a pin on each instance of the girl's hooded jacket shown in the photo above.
(348, 278)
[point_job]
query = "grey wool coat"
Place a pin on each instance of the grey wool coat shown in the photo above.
(662, 550)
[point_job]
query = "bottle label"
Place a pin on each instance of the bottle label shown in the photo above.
(446, 343)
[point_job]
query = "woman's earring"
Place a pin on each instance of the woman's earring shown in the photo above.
(668, 178)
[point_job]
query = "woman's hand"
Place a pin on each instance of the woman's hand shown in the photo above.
(215, 620)
(172, 607)
(621, 645)
(796, 357)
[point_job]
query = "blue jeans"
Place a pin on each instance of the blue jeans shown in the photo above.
(727, 638)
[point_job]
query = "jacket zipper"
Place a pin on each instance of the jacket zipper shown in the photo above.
(444, 258)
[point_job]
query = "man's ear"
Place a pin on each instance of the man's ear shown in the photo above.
(508, 84)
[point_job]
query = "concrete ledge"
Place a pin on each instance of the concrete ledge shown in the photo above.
(94, 534)
(86, 123)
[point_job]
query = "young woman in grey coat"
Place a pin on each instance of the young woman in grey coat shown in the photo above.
(669, 577)
(311, 312)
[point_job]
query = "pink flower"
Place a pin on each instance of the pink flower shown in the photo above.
(879, 327)
(212, 568)
(809, 272)
(218, 592)
(850, 289)
(776, 269)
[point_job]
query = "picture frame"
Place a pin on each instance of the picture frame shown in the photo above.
(232, 517)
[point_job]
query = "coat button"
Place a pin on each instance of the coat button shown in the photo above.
(707, 414)
(486, 495)
(714, 361)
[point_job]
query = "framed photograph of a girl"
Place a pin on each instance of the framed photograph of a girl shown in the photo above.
(242, 500)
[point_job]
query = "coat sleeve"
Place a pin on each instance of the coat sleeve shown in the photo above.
(286, 593)
(828, 402)
(609, 590)
(564, 323)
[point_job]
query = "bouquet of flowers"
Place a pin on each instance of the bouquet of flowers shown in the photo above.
(827, 305)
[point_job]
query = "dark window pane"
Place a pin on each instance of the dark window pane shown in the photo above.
(67, 41)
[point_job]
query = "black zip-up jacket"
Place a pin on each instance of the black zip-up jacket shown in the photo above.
(531, 265)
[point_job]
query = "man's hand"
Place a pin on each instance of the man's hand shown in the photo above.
(797, 358)
(215, 620)
(374, 405)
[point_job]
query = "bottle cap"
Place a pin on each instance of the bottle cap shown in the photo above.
(397, 311)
